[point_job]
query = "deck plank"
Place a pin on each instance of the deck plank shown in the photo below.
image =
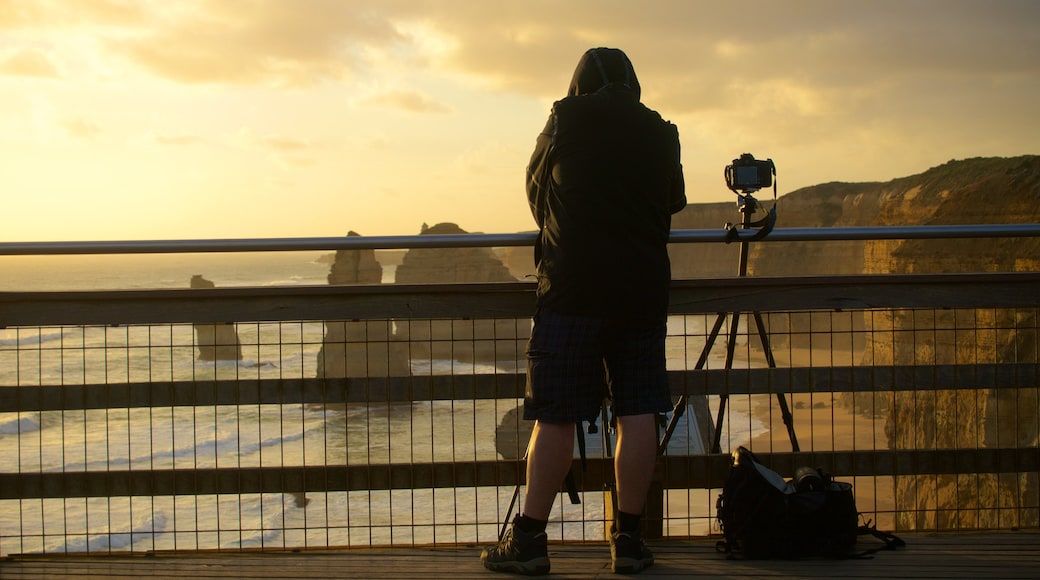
(946, 555)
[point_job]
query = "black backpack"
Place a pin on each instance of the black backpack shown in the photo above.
(762, 516)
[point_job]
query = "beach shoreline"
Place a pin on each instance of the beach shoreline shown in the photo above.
(823, 422)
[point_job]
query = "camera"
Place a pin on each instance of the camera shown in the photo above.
(748, 175)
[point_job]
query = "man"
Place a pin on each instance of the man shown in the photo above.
(603, 181)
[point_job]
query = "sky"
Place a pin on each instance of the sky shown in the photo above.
(216, 119)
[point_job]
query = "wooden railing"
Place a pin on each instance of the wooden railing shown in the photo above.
(682, 470)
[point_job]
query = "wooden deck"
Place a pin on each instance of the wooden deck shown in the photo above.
(948, 555)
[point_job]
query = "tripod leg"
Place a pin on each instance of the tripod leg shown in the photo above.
(677, 413)
(719, 319)
(785, 411)
(610, 485)
(731, 344)
(680, 405)
(764, 337)
(604, 420)
(512, 502)
(509, 513)
(716, 444)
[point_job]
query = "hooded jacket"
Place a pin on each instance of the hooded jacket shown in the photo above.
(603, 181)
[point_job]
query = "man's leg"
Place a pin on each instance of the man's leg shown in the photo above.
(564, 381)
(635, 456)
(524, 549)
(549, 457)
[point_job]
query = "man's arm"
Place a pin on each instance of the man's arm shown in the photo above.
(677, 195)
(539, 173)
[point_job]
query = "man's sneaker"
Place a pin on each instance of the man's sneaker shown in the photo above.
(628, 552)
(518, 552)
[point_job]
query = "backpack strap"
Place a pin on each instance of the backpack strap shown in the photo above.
(889, 540)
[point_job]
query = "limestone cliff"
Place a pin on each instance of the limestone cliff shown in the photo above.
(215, 341)
(972, 191)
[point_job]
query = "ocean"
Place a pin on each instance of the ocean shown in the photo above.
(253, 435)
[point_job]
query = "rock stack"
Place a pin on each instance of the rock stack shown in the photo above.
(488, 341)
(363, 348)
(216, 342)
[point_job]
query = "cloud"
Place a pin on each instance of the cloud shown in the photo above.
(488, 158)
(288, 149)
(42, 14)
(46, 125)
(409, 100)
(28, 62)
(719, 53)
(298, 42)
(836, 89)
(286, 144)
(81, 129)
(258, 42)
(514, 47)
(178, 140)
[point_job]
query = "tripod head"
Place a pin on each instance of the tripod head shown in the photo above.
(747, 204)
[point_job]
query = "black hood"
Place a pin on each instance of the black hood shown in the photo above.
(600, 67)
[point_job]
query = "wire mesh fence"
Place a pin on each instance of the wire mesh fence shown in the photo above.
(305, 433)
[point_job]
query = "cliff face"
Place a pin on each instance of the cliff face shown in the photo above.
(972, 191)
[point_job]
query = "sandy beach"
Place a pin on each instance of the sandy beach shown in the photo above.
(826, 422)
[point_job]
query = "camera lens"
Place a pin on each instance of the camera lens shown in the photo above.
(808, 479)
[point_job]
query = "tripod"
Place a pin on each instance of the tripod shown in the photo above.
(748, 206)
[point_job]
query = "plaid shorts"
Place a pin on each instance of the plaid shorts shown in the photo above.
(575, 362)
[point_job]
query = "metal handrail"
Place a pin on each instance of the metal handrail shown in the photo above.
(502, 240)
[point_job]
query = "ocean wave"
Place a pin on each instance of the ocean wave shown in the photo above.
(262, 520)
(19, 424)
(203, 449)
(421, 367)
(105, 540)
(294, 280)
(26, 339)
(271, 526)
(243, 364)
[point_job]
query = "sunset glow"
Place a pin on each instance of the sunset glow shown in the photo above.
(136, 119)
